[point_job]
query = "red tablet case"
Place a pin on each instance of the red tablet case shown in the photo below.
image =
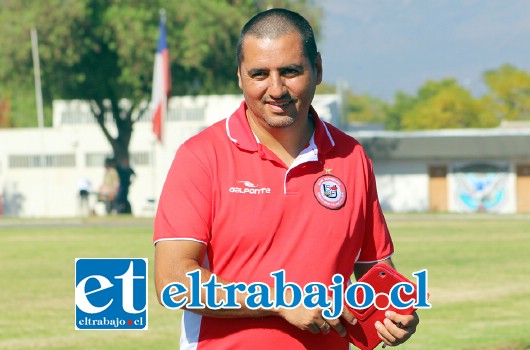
(382, 278)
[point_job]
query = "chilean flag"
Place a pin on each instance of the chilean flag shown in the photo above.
(161, 82)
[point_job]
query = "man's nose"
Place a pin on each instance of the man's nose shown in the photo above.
(277, 86)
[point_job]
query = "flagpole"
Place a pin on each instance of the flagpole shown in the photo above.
(161, 82)
(40, 115)
(162, 13)
(36, 73)
(159, 99)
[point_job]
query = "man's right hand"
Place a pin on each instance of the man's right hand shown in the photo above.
(312, 320)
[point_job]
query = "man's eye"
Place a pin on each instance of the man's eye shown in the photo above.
(290, 72)
(258, 75)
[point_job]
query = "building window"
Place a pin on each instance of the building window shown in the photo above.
(41, 160)
(139, 158)
(95, 159)
(98, 159)
(187, 114)
(75, 117)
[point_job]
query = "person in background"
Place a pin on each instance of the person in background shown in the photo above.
(84, 186)
(109, 187)
(126, 175)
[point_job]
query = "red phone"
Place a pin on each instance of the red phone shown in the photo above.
(382, 278)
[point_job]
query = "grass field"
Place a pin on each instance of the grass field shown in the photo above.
(479, 281)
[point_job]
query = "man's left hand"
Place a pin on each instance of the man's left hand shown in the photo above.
(397, 329)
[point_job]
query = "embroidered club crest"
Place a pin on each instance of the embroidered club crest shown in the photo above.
(330, 191)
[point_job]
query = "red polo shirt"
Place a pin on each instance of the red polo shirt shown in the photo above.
(256, 216)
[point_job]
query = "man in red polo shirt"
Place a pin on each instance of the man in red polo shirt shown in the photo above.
(272, 188)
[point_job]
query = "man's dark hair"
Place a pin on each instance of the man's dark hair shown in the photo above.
(277, 22)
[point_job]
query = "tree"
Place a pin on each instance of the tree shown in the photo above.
(97, 49)
(5, 111)
(365, 108)
(361, 108)
(439, 105)
(509, 94)
(394, 113)
(102, 51)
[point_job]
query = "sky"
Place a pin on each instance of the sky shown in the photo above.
(380, 47)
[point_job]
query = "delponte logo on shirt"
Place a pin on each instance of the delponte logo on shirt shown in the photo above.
(247, 187)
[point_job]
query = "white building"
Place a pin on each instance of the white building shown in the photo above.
(446, 170)
(465, 170)
(40, 168)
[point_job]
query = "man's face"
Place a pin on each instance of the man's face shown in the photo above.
(277, 79)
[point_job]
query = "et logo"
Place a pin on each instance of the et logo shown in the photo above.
(111, 294)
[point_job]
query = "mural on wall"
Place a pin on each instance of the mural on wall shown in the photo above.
(11, 200)
(480, 187)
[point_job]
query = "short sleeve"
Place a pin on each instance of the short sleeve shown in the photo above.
(184, 208)
(377, 243)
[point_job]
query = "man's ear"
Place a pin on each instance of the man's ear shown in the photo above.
(318, 67)
(239, 79)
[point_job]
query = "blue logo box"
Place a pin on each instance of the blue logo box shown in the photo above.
(111, 294)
